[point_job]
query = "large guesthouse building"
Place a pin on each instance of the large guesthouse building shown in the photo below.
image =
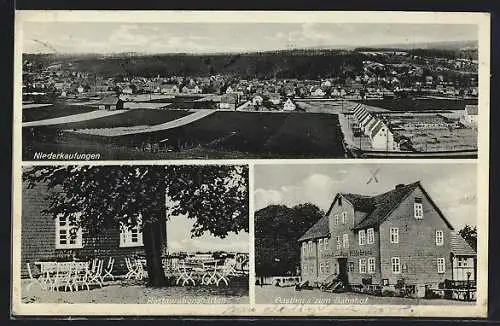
(398, 236)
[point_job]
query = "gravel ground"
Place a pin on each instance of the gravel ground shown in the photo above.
(121, 292)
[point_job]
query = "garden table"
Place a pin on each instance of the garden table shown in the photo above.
(213, 273)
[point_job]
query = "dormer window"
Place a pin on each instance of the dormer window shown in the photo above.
(418, 209)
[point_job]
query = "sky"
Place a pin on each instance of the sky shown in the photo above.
(179, 238)
(113, 37)
(452, 186)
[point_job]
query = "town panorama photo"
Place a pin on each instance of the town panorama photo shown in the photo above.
(122, 91)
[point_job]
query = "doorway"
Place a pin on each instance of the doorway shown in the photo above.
(343, 276)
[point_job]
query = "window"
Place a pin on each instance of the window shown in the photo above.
(68, 233)
(396, 265)
(394, 235)
(304, 248)
(351, 266)
(321, 267)
(130, 236)
(439, 238)
(370, 236)
(320, 245)
(440, 265)
(310, 244)
(339, 245)
(371, 265)
(362, 237)
(463, 262)
(345, 241)
(325, 243)
(336, 219)
(344, 216)
(362, 265)
(327, 268)
(418, 209)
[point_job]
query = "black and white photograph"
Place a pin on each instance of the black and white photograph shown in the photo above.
(135, 234)
(250, 163)
(125, 90)
(367, 234)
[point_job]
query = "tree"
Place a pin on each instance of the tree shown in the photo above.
(277, 229)
(469, 233)
(216, 197)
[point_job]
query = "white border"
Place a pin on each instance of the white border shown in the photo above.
(482, 20)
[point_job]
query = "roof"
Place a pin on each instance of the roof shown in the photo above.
(385, 203)
(377, 128)
(319, 230)
(360, 203)
(110, 100)
(370, 123)
(460, 247)
(471, 109)
(361, 115)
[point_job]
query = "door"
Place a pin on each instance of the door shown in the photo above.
(343, 271)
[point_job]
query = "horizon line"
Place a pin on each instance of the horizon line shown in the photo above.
(392, 46)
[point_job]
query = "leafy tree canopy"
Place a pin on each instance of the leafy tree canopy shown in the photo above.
(215, 196)
(469, 233)
(277, 229)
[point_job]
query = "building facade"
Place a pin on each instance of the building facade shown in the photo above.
(47, 238)
(396, 237)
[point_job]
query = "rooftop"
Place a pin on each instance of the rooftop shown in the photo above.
(460, 247)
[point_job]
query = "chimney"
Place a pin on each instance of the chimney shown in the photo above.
(399, 186)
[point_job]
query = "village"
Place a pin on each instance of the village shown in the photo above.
(407, 106)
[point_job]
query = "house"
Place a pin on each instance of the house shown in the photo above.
(399, 236)
(317, 92)
(382, 138)
(111, 103)
(228, 101)
(257, 100)
(169, 88)
(289, 105)
(127, 90)
(47, 238)
(470, 115)
(274, 98)
(463, 260)
(190, 89)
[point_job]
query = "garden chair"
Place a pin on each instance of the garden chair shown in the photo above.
(229, 268)
(94, 276)
(64, 276)
(141, 273)
(186, 274)
(108, 270)
(133, 271)
(81, 278)
(35, 280)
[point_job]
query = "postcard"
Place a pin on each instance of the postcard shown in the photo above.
(238, 163)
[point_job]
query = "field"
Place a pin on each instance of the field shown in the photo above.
(427, 104)
(237, 134)
(270, 294)
(135, 117)
(54, 111)
(443, 140)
